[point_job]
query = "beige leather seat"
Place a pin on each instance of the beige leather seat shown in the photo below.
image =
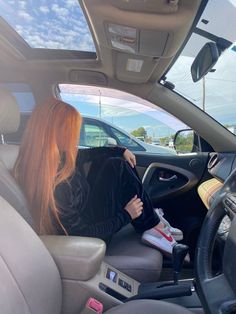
(9, 123)
(30, 281)
(129, 255)
(125, 252)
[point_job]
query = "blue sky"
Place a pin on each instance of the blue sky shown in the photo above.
(56, 24)
(122, 109)
(128, 123)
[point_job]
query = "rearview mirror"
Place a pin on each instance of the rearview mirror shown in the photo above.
(204, 61)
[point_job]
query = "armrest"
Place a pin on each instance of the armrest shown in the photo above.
(77, 258)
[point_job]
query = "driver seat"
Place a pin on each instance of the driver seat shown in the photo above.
(30, 280)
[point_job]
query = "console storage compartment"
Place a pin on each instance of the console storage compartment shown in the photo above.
(77, 258)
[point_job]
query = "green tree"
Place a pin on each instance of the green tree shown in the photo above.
(140, 133)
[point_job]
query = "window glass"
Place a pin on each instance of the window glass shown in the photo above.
(216, 92)
(149, 123)
(59, 24)
(94, 136)
(127, 141)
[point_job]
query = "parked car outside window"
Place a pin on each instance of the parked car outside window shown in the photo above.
(96, 132)
(133, 122)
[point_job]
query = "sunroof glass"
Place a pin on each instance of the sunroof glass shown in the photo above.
(56, 24)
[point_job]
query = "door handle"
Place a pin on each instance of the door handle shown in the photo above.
(174, 177)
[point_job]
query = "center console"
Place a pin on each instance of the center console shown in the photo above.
(85, 275)
(117, 284)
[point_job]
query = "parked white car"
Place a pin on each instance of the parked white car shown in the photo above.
(96, 132)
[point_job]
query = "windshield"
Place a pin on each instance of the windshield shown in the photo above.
(216, 93)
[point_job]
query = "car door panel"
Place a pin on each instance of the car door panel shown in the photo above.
(164, 180)
(178, 196)
(189, 167)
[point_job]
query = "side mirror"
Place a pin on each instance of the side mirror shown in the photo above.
(184, 141)
(204, 61)
(110, 142)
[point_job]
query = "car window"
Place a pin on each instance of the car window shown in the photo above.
(93, 136)
(126, 141)
(123, 111)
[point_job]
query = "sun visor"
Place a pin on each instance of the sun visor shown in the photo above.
(152, 42)
(131, 68)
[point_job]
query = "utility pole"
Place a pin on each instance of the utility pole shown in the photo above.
(100, 105)
(203, 93)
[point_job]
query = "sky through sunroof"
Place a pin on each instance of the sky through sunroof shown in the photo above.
(56, 24)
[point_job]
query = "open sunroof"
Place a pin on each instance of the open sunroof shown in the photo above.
(56, 24)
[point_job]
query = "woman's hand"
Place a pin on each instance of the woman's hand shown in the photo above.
(134, 207)
(130, 157)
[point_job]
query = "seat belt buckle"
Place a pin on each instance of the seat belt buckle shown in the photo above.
(93, 306)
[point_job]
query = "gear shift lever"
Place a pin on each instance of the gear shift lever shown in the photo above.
(178, 255)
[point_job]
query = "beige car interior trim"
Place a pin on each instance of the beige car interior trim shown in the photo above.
(8, 155)
(10, 116)
(77, 258)
(76, 293)
(31, 278)
(31, 282)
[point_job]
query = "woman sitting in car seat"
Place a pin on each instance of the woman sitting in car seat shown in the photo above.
(65, 199)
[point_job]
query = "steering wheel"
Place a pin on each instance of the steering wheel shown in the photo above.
(218, 293)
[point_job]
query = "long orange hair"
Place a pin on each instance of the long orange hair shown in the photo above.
(47, 157)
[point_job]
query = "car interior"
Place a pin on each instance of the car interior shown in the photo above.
(137, 42)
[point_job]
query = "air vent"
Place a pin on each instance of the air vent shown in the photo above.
(213, 161)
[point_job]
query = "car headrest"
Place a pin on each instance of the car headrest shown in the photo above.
(9, 112)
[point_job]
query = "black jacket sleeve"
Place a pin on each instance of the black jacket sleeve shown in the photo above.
(90, 154)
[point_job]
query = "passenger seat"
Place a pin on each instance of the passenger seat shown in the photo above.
(30, 280)
(125, 251)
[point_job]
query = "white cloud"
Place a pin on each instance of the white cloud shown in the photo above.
(66, 28)
(233, 2)
(44, 9)
(22, 4)
(25, 16)
(60, 11)
(71, 3)
(20, 30)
